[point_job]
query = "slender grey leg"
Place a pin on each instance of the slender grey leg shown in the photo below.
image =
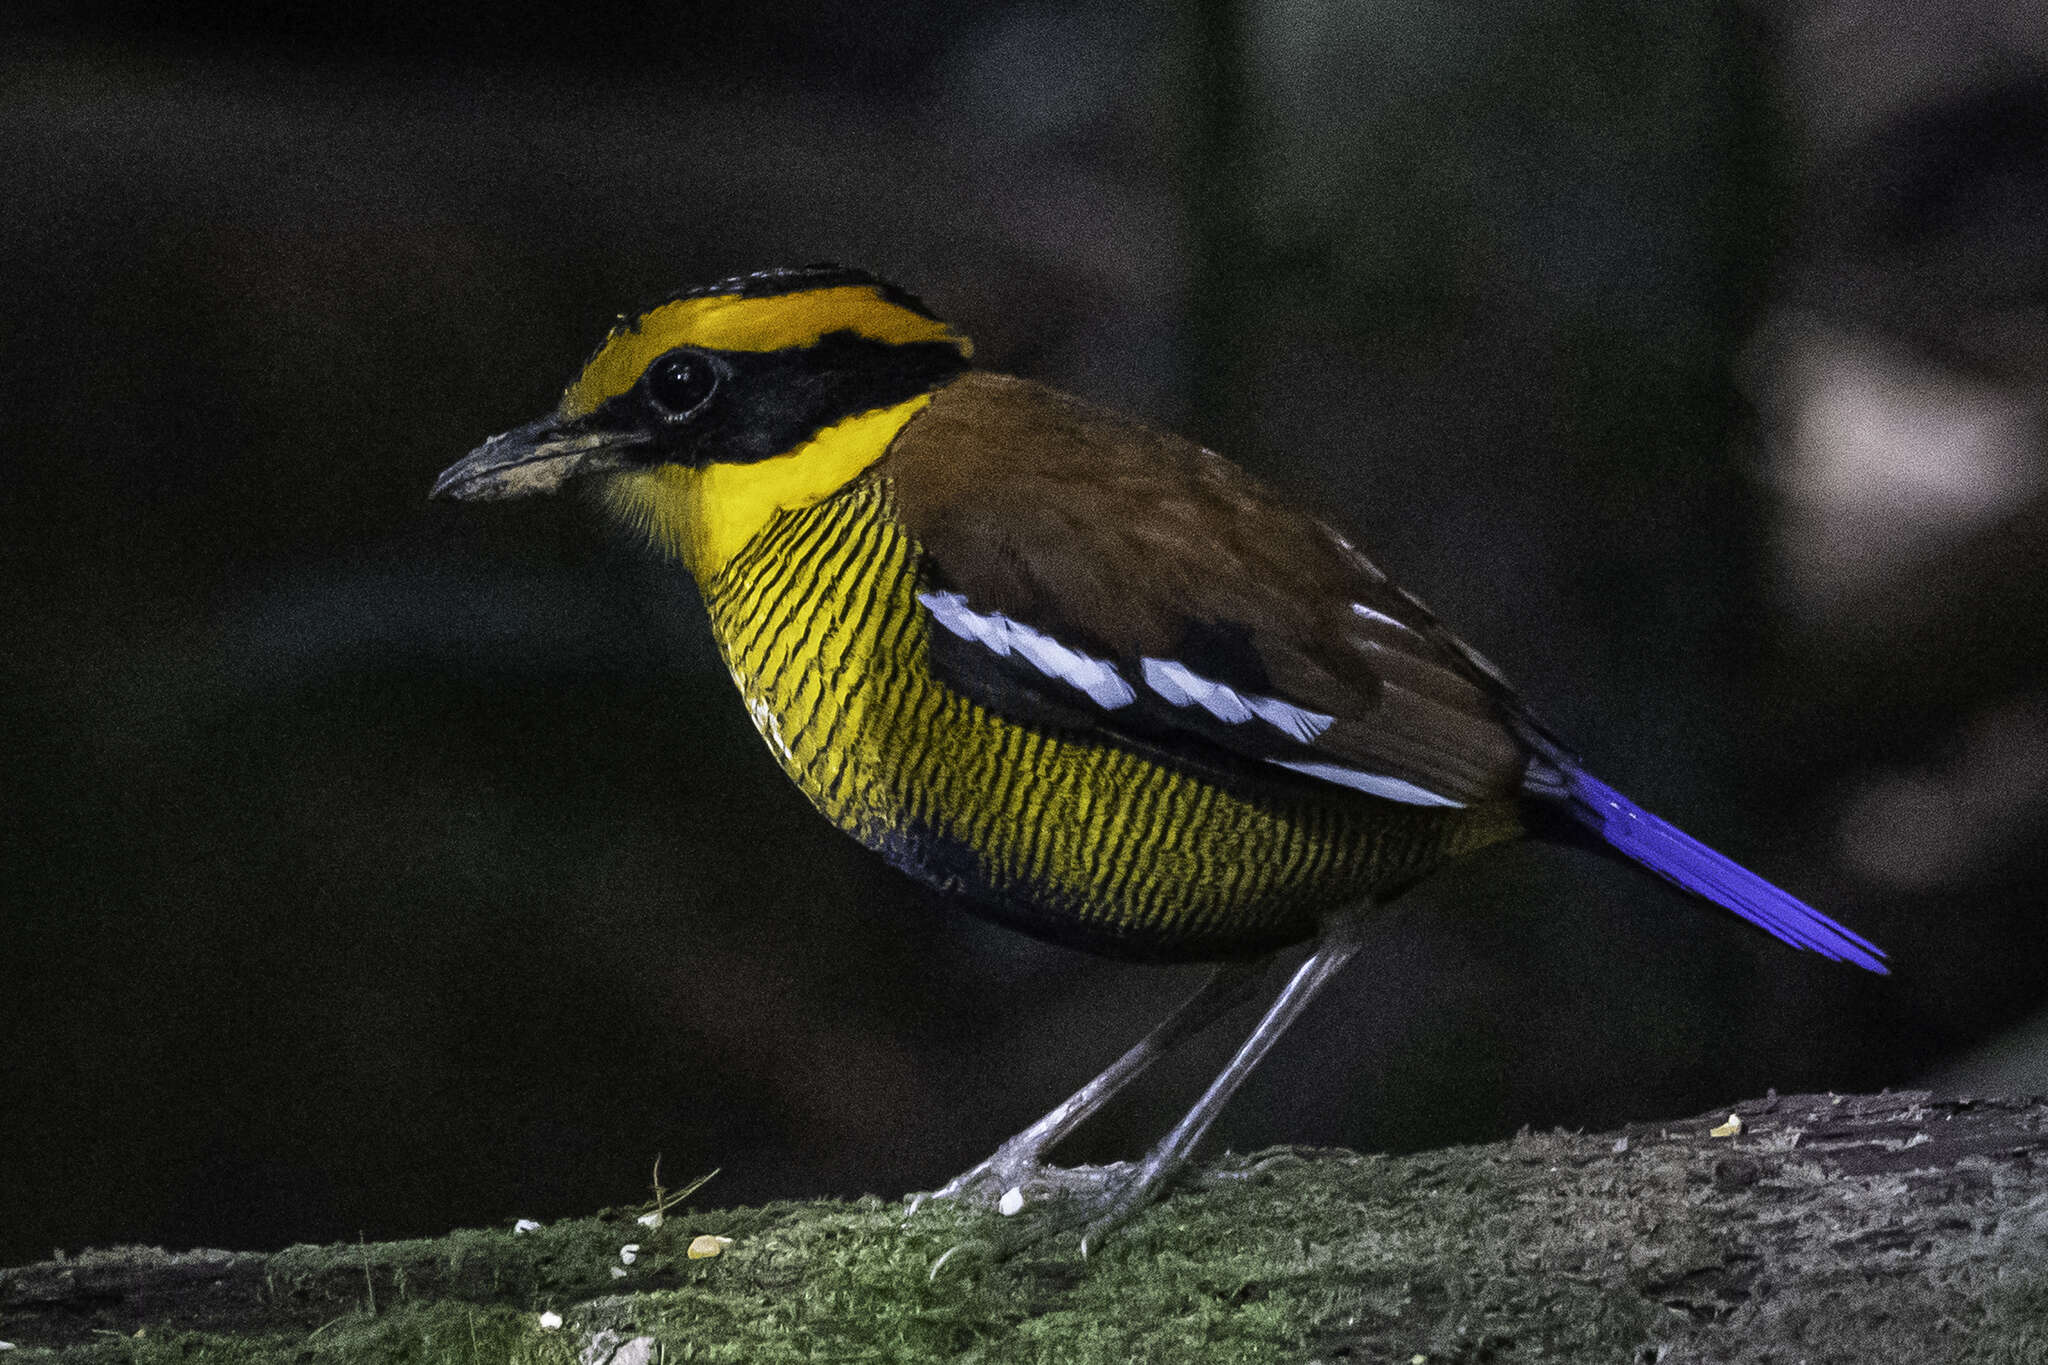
(1021, 1158)
(1339, 939)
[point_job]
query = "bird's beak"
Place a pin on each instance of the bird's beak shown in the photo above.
(535, 458)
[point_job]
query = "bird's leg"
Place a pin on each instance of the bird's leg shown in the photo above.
(1339, 938)
(1019, 1163)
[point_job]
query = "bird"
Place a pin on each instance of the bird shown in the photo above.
(1089, 679)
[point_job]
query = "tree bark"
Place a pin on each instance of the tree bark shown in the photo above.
(1894, 1227)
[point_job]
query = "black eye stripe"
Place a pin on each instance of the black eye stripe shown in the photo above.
(700, 406)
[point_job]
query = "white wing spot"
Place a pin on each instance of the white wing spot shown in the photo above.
(1373, 784)
(1182, 686)
(1486, 666)
(1381, 617)
(1003, 637)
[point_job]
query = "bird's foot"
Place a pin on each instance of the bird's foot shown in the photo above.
(1011, 1180)
(1042, 1199)
(1040, 1203)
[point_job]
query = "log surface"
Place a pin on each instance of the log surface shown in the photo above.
(1894, 1227)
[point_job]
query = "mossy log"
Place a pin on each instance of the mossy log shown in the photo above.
(1896, 1228)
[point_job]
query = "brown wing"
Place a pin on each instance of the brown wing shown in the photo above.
(1086, 569)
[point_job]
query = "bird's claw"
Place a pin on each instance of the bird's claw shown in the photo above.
(1108, 1221)
(1040, 1202)
(972, 1244)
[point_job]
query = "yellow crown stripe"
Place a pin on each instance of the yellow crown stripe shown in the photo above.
(729, 322)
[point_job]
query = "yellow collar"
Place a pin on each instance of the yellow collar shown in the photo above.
(706, 516)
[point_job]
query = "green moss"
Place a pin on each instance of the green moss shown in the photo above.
(417, 1334)
(2015, 1327)
(1540, 1249)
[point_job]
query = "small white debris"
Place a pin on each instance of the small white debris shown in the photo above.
(1012, 1201)
(551, 1321)
(705, 1247)
(1732, 1128)
(618, 1272)
(1620, 1145)
(638, 1351)
(6, 1345)
(630, 1252)
(524, 1226)
(608, 1348)
(649, 1220)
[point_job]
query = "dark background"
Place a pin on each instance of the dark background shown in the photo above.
(379, 867)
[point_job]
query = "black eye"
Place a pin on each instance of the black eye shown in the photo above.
(679, 384)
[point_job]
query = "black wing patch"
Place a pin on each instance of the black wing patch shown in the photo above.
(1230, 728)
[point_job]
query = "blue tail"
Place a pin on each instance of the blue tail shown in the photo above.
(1682, 859)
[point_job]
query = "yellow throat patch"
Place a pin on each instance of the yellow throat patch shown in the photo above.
(706, 516)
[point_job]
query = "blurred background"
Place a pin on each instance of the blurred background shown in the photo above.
(377, 867)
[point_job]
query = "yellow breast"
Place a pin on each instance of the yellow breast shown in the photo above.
(1074, 839)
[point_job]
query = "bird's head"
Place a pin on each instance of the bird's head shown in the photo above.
(699, 418)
